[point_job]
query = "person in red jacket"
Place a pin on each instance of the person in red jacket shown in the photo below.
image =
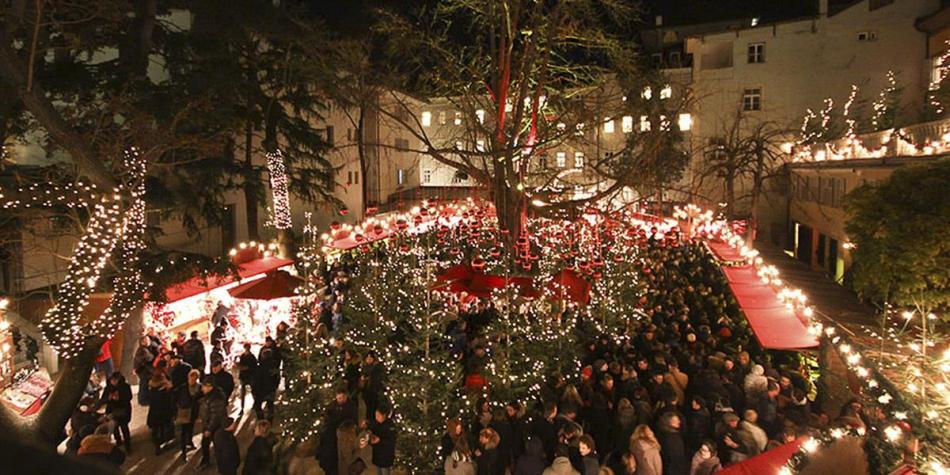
(104, 365)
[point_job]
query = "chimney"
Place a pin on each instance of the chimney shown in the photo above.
(822, 8)
(659, 20)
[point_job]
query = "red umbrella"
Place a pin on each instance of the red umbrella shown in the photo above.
(568, 284)
(274, 285)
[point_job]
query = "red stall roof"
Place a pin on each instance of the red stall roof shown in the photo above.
(765, 463)
(197, 285)
(775, 326)
(724, 251)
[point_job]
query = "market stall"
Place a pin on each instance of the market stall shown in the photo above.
(254, 301)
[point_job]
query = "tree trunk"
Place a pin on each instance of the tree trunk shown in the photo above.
(361, 151)
(730, 194)
(250, 185)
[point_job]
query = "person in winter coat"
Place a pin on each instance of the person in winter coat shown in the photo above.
(500, 425)
(672, 447)
(226, 451)
(82, 423)
(117, 397)
(646, 449)
(533, 460)
(678, 380)
(705, 461)
(561, 465)
(259, 459)
(247, 365)
(730, 443)
(213, 412)
(625, 422)
(187, 396)
(161, 411)
(698, 423)
(383, 439)
(340, 411)
(753, 436)
(142, 364)
(222, 379)
(487, 455)
(178, 370)
(453, 432)
(755, 383)
(98, 447)
(264, 385)
(544, 427)
(588, 452)
(193, 352)
(347, 445)
(515, 413)
(459, 461)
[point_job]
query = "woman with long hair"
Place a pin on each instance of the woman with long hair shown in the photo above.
(646, 449)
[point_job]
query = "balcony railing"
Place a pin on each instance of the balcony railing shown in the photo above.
(917, 140)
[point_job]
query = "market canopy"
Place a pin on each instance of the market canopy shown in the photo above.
(724, 251)
(775, 325)
(276, 284)
(569, 285)
(200, 285)
(765, 463)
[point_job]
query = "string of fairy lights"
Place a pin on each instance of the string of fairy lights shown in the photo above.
(280, 211)
(116, 221)
(904, 424)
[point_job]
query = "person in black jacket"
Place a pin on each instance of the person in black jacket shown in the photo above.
(226, 451)
(178, 370)
(222, 379)
(117, 397)
(672, 447)
(501, 427)
(533, 461)
(161, 411)
(82, 423)
(187, 397)
(213, 413)
(544, 428)
(383, 440)
(247, 365)
(142, 366)
(341, 409)
(259, 459)
(193, 352)
(264, 385)
(487, 456)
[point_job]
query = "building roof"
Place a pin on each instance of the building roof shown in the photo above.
(885, 162)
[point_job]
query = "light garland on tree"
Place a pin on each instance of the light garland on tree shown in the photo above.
(280, 213)
(881, 118)
(63, 325)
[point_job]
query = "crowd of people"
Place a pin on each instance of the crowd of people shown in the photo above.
(686, 390)
(184, 387)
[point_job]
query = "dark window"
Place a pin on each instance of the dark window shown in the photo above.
(228, 225)
(756, 53)
(752, 99)
(349, 178)
(329, 135)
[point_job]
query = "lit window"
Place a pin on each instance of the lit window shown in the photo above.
(480, 145)
(644, 123)
(752, 99)
(426, 119)
(427, 176)
(647, 92)
(441, 117)
(400, 177)
(578, 159)
(756, 53)
(685, 122)
(626, 124)
(666, 92)
(509, 107)
(458, 118)
(561, 159)
(580, 129)
(609, 126)
(458, 145)
(664, 123)
(561, 126)
(480, 114)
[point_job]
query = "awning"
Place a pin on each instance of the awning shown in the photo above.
(766, 462)
(568, 284)
(276, 284)
(724, 251)
(775, 325)
(198, 285)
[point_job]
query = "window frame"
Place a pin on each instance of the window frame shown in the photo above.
(755, 53)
